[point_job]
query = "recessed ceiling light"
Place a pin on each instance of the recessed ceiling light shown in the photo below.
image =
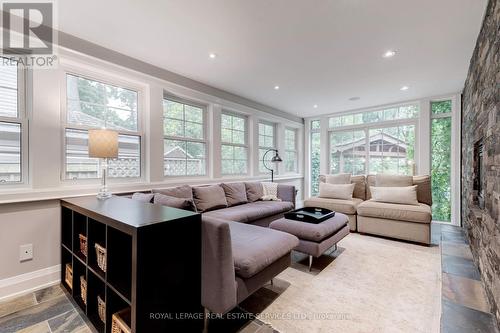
(276, 87)
(403, 88)
(389, 54)
(355, 98)
(315, 106)
(212, 55)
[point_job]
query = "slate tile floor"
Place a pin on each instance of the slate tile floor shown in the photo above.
(464, 305)
(50, 311)
(44, 311)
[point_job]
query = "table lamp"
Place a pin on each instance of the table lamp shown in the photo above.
(103, 144)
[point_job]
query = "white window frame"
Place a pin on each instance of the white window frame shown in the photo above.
(185, 139)
(376, 125)
(107, 80)
(23, 122)
(259, 147)
(245, 145)
(295, 151)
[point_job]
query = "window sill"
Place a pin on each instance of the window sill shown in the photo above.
(19, 195)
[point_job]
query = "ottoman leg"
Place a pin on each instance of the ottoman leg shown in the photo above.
(310, 262)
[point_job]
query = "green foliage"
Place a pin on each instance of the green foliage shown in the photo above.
(315, 161)
(115, 107)
(440, 170)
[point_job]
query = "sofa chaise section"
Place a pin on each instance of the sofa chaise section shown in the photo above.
(238, 259)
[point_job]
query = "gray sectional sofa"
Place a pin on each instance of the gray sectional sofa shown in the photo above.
(406, 222)
(240, 254)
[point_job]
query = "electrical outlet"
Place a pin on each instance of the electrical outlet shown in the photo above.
(26, 252)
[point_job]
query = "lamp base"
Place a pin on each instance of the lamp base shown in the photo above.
(103, 194)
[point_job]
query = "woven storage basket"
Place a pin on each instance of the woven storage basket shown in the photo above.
(101, 309)
(69, 275)
(83, 289)
(101, 256)
(119, 322)
(83, 244)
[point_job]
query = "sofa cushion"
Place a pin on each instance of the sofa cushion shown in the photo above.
(411, 213)
(251, 211)
(209, 197)
(386, 180)
(340, 178)
(336, 191)
(342, 206)
(311, 231)
(184, 191)
(143, 197)
(405, 195)
(360, 188)
(255, 248)
(255, 191)
(424, 192)
(167, 200)
(236, 193)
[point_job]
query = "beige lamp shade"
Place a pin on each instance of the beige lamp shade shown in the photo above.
(103, 143)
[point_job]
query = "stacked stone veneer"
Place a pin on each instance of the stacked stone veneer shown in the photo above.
(480, 120)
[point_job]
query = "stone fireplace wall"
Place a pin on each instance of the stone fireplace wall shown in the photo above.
(480, 121)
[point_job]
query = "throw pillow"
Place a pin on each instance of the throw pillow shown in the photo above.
(209, 197)
(270, 191)
(143, 197)
(254, 191)
(236, 193)
(336, 191)
(167, 200)
(406, 195)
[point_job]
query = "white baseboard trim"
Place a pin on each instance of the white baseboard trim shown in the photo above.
(29, 282)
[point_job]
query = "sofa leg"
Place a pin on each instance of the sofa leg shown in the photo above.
(310, 262)
(272, 282)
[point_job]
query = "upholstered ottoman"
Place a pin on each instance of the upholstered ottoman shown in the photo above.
(315, 239)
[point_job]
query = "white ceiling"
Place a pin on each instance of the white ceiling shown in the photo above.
(318, 51)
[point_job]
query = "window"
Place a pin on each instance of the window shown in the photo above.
(234, 149)
(266, 142)
(315, 156)
(348, 152)
(394, 113)
(291, 155)
(392, 150)
(184, 138)
(12, 123)
(367, 143)
(441, 160)
(93, 104)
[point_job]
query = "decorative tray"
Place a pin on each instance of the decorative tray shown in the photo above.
(310, 214)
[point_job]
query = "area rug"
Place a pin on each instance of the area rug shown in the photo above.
(369, 284)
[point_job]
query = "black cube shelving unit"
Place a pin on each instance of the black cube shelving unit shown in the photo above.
(153, 263)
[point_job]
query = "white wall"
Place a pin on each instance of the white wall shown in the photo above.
(29, 213)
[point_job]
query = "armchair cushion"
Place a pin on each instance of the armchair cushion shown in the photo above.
(342, 206)
(420, 213)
